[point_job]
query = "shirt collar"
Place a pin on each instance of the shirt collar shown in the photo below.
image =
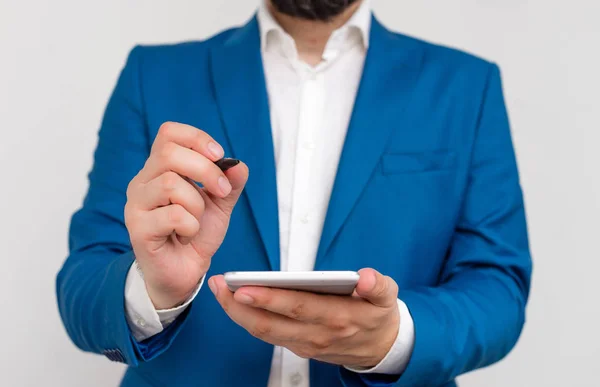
(360, 20)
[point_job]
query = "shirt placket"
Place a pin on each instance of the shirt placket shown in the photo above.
(302, 241)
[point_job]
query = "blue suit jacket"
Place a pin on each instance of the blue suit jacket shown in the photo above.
(427, 192)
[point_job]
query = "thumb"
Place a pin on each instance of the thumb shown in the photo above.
(376, 288)
(237, 176)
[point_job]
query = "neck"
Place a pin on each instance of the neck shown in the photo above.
(311, 36)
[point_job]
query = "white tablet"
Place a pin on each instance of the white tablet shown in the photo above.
(326, 282)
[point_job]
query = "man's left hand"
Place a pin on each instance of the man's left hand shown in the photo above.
(355, 331)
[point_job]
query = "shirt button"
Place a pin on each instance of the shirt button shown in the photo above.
(295, 378)
(309, 145)
(141, 322)
(305, 219)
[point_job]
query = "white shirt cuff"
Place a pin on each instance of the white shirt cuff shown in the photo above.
(396, 360)
(143, 320)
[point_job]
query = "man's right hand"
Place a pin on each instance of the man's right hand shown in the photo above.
(175, 226)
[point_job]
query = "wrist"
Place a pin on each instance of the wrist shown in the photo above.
(169, 293)
(163, 300)
(385, 342)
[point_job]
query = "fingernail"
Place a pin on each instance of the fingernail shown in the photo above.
(213, 287)
(216, 149)
(245, 299)
(224, 185)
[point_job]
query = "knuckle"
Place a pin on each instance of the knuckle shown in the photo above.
(136, 236)
(129, 192)
(339, 323)
(200, 136)
(131, 188)
(127, 214)
(262, 328)
(167, 151)
(265, 299)
(321, 343)
(348, 332)
(169, 181)
(166, 129)
(176, 214)
(297, 310)
(375, 322)
(341, 319)
(209, 171)
(130, 218)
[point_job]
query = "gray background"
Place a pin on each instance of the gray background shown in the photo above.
(59, 61)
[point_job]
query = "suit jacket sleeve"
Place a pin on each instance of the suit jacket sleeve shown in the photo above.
(91, 284)
(475, 316)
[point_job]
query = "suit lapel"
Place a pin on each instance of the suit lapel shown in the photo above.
(241, 94)
(390, 72)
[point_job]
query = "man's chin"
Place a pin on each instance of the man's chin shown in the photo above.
(318, 10)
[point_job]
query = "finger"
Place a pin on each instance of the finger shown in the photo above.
(188, 137)
(269, 327)
(297, 305)
(237, 176)
(170, 188)
(188, 163)
(163, 221)
(376, 288)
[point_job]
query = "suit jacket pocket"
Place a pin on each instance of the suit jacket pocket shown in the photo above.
(395, 163)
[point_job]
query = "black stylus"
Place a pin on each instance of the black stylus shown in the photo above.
(226, 163)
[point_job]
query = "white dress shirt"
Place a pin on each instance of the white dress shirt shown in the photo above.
(310, 111)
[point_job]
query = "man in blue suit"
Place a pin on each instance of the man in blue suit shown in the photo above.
(368, 150)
